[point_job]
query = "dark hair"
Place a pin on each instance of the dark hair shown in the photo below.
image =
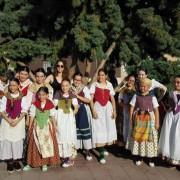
(40, 70)
(103, 70)
(43, 89)
(77, 74)
(67, 80)
(15, 80)
(142, 69)
(65, 73)
(24, 68)
(130, 75)
(177, 76)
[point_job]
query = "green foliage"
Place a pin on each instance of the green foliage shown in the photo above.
(85, 29)
(158, 69)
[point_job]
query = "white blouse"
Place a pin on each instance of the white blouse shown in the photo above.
(97, 84)
(154, 101)
(33, 111)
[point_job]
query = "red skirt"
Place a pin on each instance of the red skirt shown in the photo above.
(34, 158)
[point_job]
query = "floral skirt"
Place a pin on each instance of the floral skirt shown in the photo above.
(34, 158)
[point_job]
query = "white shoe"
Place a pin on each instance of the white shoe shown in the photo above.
(68, 164)
(88, 158)
(102, 161)
(27, 168)
(138, 163)
(44, 168)
(151, 164)
(106, 153)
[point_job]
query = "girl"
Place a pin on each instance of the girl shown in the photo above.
(40, 77)
(42, 147)
(104, 113)
(144, 118)
(169, 145)
(125, 97)
(25, 82)
(83, 117)
(66, 127)
(12, 128)
(142, 73)
(60, 72)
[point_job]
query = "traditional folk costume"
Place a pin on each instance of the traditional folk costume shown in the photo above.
(66, 124)
(24, 89)
(125, 96)
(169, 145)
(42, 146)
(34, 87)
(104, 127)
(143, 138)
(11, 138)
(83, 119)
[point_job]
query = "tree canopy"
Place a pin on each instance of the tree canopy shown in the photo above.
(143, 30)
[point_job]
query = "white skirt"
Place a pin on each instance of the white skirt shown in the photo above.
(66, 134)
(104, 127)
(169, 144)
(11, 150)
(12, 134)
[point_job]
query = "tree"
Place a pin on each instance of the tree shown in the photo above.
(142, 31)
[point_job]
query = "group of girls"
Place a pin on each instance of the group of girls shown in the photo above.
(46, 121)
(151, 128)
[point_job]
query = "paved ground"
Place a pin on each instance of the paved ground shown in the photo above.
(121, 168)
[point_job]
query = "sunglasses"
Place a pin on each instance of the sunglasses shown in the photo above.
(59, 66)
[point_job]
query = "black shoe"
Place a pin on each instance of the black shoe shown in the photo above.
(10, 167)
(17, 166)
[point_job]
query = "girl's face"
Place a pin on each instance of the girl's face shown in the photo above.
(102, 77)
(131, 81)
(23, 76)
(40, 77)
(65, 86)
(77, 81)
(60, 67)
(144, 88)
(142, 74)
(13, 87)
(177, 83)
(42, 96)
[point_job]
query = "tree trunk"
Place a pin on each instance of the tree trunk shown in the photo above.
(73, 67)
(88, 67)
(103, 61)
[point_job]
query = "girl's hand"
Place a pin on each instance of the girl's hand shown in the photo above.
(14, 122)
(9, 120)
(95, 115)
(114, 115)
(156, 126)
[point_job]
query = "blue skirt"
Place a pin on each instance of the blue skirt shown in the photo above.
(82, 124)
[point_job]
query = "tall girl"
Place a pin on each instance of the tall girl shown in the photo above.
(60, 73)
(144, 118)
(125, 97)
(104, 113)
(40, 76)
(83, 117)
(67, 106)
(169, 145)
(25, 82)
(12, 128)
(42, 146)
